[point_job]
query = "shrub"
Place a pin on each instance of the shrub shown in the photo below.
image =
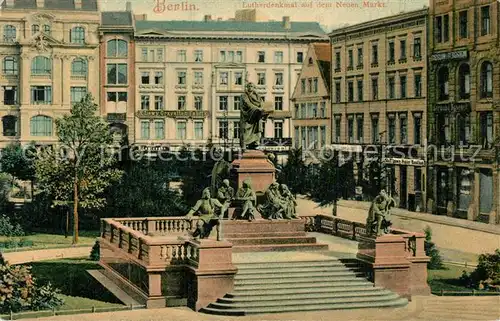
(436, 262)
(95, 253)
(487, 271)
(7, 228)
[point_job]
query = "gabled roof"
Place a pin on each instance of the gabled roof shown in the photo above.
(116, 18)
(87, 5)
(323, 59)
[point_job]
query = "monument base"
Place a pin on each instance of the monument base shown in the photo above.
(254, 165)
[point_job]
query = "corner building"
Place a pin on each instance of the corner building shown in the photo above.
(464, 114)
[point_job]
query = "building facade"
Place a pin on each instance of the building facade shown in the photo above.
(464, 114)
(311, 100)
(190, 76)
(49, 51)
(378, 95)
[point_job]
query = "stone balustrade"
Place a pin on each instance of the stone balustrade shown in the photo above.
(160, 226)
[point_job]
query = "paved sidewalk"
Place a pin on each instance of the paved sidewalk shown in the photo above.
(46, 254)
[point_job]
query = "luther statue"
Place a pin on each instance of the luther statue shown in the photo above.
(253, 116)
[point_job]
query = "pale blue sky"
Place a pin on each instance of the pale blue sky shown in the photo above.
(328, 17)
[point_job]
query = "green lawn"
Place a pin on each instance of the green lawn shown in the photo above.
(44, 241)
(447, 280)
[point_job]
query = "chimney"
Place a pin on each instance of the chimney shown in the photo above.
(40, 4)
(129, 6)
(286, 23)
(207, 18)
(141, 17)
(78, 4)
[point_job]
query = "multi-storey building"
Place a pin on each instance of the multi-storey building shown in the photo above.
(190, 76)
(378, 98)
(49, 55)
(464, 114)
(311, 99)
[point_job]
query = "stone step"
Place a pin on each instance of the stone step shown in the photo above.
(401, 302)
(287, 287)
(262, 226)
(273, 282)
(296, 275)
(272, 240)
(280, 248)
(263, 293)
(266, 234)
(261, 266)
(295, 269)
(305, 295)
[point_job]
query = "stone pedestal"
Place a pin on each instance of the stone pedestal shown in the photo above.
(214, 275)
(386, 258)
(254, 165)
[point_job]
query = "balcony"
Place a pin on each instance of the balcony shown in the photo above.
(359, 66)
(374, 64)
(402, 60)
(390, 62)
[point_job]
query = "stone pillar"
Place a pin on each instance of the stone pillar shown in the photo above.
(65, 81)
(92, 78)
(496, 198)
(57, 81)
(431, 189)
(24, 79)
(255, 166)
(418, 267)
(155, 299)
(474, 213)
(452, 192)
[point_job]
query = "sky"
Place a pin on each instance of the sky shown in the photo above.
(329, 13)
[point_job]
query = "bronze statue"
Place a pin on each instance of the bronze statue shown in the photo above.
(225, 194)
(378, 221)
(247, 199)
(290, 202)
(207, 209)
(275, 206)
(253, 114)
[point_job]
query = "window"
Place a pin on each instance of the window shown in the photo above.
(417, 48)
(313, 110)
(120, 96)
(278, 129)
(77, 35)
(337, 128)
(350, 129)
(41, 66)
(446, 28)
(237, 103)
(374, 54)
(9, 95)
(464, 81)
(117, 48)
(41, 126)
(417, 128)
(442, 28)
(144, 54)
(278, 79)
(391, 128)
(239, 56)
(261, 78)
(181, 55)
(303, 86)
(223, 78)
(375, 88)
(159, 129)
(418, 85)
(222, 102)
(402, 85)
(10, 66)
(485, 21)
(159, 55)
(463, 129)
(391, 52)
(198, 130)
(322, 136)
(338, 92)
(439, 29)
(198, 102)
(144, 102)
(145, 77)
(278, 103)
(9, 125)
(360, 90)
(198, 55)
(159, 103)
(181, 102)
(350, 91)
(9, 33)
(360, 57)
(238, 78)
(462, 25)
(443, 128)
(236, 129)
(278, 57)
(230, 56)
(41, 95)
(261, 56)
(181, 77)
(392, 87)
(158, 77)
(117, 74)
(300, 57)
(486, 79)
(77, 94)
(198, 78)
(35, 29)
(359, 129)
(403, 129)
(309, 85)
(350, 60)
(223, 129)
(315, 84)
(375, 130)
(443, 85)
(322, 110)
(486, 129)
(46, 29)
(145, 129)
(181, 130)
(79, 67)
(402, 49)
(222, 56)
(337, 61)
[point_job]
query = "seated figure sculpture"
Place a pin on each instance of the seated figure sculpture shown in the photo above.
(378, 221)
(207, 209)
(246, 199)
(275, 206)
(290, 202)
(225, 194)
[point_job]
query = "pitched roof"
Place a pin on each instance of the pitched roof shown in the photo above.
(116, 18)
(242, 26)
(323, 58)
(87, 5)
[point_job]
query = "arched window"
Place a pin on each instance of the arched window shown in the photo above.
(41, 65)
(9, 33)
(10, 66)
(443, 83)
(9, 124)
(35, 29)
(464, 81)
(486, 79)
(77, 35)
(79, 67)
(41, 126)
(46, 29)
(117, 48)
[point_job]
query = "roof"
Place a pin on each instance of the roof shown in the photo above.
(87, 5)
(242, 26)
(323, 58)
(116, 18)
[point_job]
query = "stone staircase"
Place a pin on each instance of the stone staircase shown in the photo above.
(301, 285)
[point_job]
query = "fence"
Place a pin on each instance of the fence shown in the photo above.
(466, 293)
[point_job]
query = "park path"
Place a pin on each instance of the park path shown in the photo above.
(47, 254)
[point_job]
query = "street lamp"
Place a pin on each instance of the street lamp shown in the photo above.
(380, 159)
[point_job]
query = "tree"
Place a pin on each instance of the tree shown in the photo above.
(328, 192)
(195, 169)
(294, 173)
(81, 167)
(18, 162)
(436, 262)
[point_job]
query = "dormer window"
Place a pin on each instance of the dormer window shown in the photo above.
(46, 29)
(77, 35)
(35, 29)
(310, 61)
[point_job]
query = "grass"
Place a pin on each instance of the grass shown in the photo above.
(46, 241)
(447, 279)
